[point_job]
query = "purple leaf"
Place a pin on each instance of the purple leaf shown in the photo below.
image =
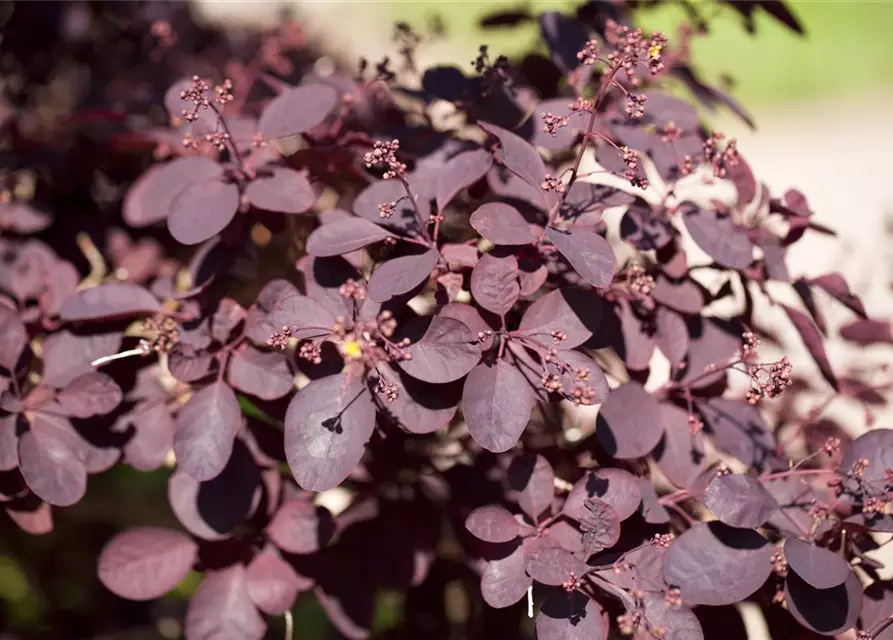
(13, 338)
(653, 512)
(52, 463)
(715, 564)
(297, 110)
(814, 343)
(403, 219)
(108, 301)
(497, 402)
(494, 283)
(401, 275)
(300, 527)
(146, 562)
(718, 236)
(644, 228)
(532, 477)
(286, 191)
(306, 317)
(711, 347)
(678, 623)
(739, 430)
(344, 236)
(222, 608)
(501, 223)
(615, 487)
(773, 256)
(154, 436)
(505, 581)
(867, 332)
(272, 583)
(554, 566)
(420, 407)
(571, 616)
(671, 335)
(594, 379)
(574, 312)
(492, 523)
(260, 373)
(202, 210)
(149, 199)
(876, 446)
(461, 172)
(229, 315)
(820, 568)
(629, 423)
(446, 352)
(600, 525)
(516, 154)
(825, 611)
(206, 428)
(835, 286)
(189, 364)
(22, 218)
(327, 425)
(66, 355)
(589, 254)
(9, 443)
(637, 346)
(680, 455)
(740, 500)
(91, 394)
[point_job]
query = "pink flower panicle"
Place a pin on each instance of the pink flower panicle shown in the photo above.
(552, 123)
(385, 153)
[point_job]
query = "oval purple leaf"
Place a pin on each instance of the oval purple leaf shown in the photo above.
(600, 525)
(146, 562)
(206, 428)
(52, 464)
(680, 455)
(222, 608)
(149, 198)
(344, 236)
(570, 616)
(286, 191)
(615, 487)
(401, 275)
(554, 566)
(533, 478)
(573, 312)
(876, 446)
(327, 425)
(13, 337)
(202, 210)
(446, 352)
(820, 568)
(403, 218)
(516, 154)
(272, 583)
(492, 523)
(629, 423)
(501, 223)
(677, 623)
(300, 527)
(108, 301)
(297, 110)
(718, 236)
(715, 564)
(740, 500)
(497, 402)
(461, 172)
(825, 611)
(91, 394)
(494, 283)
(505, 581)
(814, 343)
(588, 252)
(260, 373)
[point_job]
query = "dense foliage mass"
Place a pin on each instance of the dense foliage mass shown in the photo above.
(463, 301)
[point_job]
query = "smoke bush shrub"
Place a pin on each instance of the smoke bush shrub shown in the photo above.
(294, 287)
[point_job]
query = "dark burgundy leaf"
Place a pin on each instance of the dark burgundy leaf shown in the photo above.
(570, 616)
(677, 623)
(646, 565)
(588, 252)
(866, 332)
(516, 154)
(297, 110)
(51, 460)
(300, 527)
(715, 564)
(492, 523)
(421, 407)
(66, 355)
(820, 568)
(189, 364)
(532, 477)
(644, 229)
(600, 525)
(350, 606)
(222, 608)
(740, 500)
(404, 218)
(344, 236)
(286, 191)
(13, 338)
(501, 223)
(825, 611)
(146, 562)
(260, 373)
(814, 343)
(497, 402)
(554, 566)
(446, 352)
(226, 319)
(149, 199)
(574, 312)
(327, 425)
(109, 301)
(461, 172)
(272, 583)
(671, 335)
(680, 455)
(494, 283)
(877, 603)
(710, 346)
(585, 202)
(684, 296)
(505, 581)
(306, 317)
(652, 510)
(876, 446)
(202, 210)
(206, 428)
(739, 430)
(835, 286)
(91, 394)
(615, 487)
(564, 36)
(629, 423)
(718, 236)
(154, 437)
(637, 347)
(401, 275)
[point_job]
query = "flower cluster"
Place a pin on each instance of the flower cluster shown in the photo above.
(385, 153)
